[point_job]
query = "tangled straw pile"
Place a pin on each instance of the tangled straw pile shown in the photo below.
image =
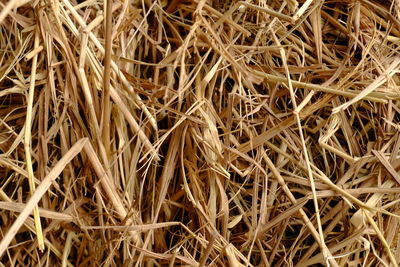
(200, 133)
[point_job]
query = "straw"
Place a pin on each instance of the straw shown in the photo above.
(199, 133)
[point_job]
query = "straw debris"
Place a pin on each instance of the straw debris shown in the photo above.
(199, 133)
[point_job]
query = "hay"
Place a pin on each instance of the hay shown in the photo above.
(200, 133)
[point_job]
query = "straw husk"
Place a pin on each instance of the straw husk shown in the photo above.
(199, 133)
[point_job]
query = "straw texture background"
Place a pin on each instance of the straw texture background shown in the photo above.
(199, 133)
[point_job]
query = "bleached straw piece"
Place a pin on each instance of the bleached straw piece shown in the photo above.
(302, 9)
(85, 83)
(358, 219)
(233, 261)
(33, 53)
(94, 23)
(27, 141)
(303, 103)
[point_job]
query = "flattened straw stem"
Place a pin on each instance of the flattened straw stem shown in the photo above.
(27, 143)
(106, 79)
(39, 192)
